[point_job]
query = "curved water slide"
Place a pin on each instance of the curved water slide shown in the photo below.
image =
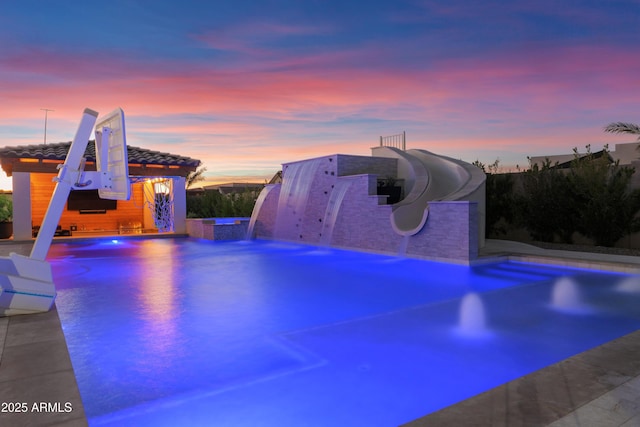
(431, 177)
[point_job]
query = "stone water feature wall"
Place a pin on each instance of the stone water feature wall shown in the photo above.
(210, 229)
(332, 201)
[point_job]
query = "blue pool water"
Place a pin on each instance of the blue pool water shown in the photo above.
(192, 332)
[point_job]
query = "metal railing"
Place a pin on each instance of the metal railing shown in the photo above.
(398, 141)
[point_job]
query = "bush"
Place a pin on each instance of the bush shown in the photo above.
(213, 204)
(606, 205)
(6, 208)
(593, 197)
(545, 207)
(499, 198)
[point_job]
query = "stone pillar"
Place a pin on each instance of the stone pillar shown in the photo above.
(22, 206)
(179, 205)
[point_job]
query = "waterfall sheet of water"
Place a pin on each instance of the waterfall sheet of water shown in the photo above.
(256, 210)
(331, 213)
(404, 243)
(294, 194)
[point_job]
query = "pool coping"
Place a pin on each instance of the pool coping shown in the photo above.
(602, 383)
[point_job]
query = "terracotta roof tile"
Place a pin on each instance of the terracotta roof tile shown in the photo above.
(58, 151)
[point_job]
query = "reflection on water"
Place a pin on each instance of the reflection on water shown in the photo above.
(158, 299)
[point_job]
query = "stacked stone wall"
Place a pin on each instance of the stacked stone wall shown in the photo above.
(195, 228)
(363, 223)
(208, 229)
(449, 233)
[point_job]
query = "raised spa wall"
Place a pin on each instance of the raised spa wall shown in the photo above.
(215, 229)
(333, 201)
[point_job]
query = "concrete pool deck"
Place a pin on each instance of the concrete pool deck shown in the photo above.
(37, 384)
(600, 387)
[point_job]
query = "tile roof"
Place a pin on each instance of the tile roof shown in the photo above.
(58, 151)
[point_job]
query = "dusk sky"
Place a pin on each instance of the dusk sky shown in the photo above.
(247, 85)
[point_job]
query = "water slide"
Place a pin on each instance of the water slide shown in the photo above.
(429, 177)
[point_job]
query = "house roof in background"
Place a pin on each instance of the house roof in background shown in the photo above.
(276, 179)
(234, 187)
(565, 161)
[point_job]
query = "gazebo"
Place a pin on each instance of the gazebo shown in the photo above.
(157, 204)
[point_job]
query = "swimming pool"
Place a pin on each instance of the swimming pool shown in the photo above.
(193, 332)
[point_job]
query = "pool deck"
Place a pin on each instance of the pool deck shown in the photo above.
(597, 388)
(35, 369)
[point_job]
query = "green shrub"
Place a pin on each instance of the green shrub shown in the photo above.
(6, 208)
(213, 204)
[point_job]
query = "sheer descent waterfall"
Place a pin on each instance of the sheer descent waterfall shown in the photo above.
(333, 207)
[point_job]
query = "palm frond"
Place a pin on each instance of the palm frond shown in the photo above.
(195, 176)
(621, 127)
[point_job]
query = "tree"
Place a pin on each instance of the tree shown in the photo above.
(195, 176)
(622, 127)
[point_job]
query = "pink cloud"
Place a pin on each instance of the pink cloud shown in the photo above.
(522, 79)
(526, 101)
